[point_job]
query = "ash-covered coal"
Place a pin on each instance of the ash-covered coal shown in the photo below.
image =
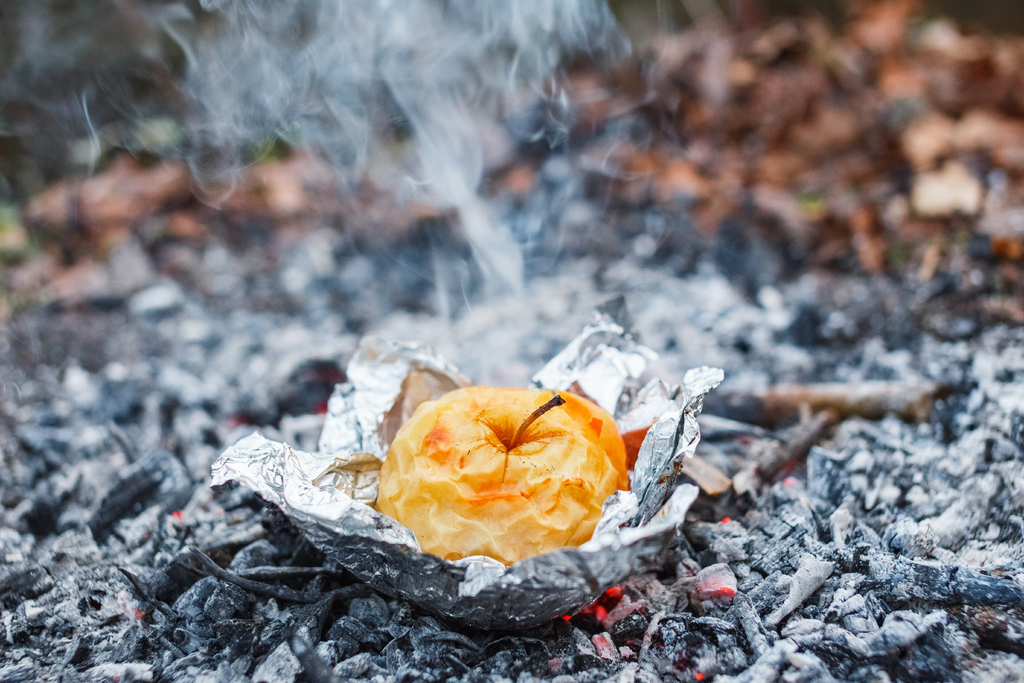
(892, 552)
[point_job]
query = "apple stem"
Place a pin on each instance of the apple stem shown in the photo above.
(533, 417)
(530, 419)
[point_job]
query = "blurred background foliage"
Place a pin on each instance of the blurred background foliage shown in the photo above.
(81, 79)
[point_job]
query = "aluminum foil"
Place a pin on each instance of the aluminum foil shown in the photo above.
(330, 493)
(672, 437)
(601, 362)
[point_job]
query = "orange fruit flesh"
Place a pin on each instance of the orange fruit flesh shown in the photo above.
(456, 478)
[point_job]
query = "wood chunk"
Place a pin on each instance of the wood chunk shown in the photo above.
(709, 478)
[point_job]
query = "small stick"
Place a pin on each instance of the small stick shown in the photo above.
(204, 564)
(143, 593)
(533, 417)
(280, 573)
(871, 400)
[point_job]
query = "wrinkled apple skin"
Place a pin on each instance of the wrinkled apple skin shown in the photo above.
(451, 479)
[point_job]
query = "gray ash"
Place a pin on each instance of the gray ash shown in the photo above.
(890, 551)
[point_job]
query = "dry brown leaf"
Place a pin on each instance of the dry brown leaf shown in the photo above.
(950, 190)
(1010, 247)
(942, 38)
(927, 140)
(184, 225)
(778, 168)
(124, 193)
(881, 26)
(898, 79)
(679, 178)
(870, 245)
(984, 129)
(80, 281)
(832, 131)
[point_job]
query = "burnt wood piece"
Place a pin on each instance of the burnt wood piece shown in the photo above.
(873, 400)
(194, 559)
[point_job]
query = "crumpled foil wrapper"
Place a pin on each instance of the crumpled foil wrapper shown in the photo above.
(330, 494)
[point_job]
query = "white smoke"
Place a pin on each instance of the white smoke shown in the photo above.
(354, 78)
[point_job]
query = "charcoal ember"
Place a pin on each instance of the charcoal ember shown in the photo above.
(309, 386)
(751, 582)
(829, 641)
(116, 672)
(43, 516)
(22, 581)
(19, 672)
(769, 593)
(630, 629)
(359, 666)
(210, 600)
(46, 450)
(512, 655)
(920, 647)
(807, 668)
(372, 611)
(402, 619)
(259, 553)
(349, 629)
(726, 542)
(134, 644)
(280, 666)
(427, 652)
(159, 478)
(810, 575)
(121, 400)
(605, 647)
(766, 667)
(330, 653)
(825, 475)
(226, 601)
(687, 646)
(998, 629)
(572, 641)
(440, 648)
(1017, 428)
(715, 583)
(857, 611)
(902, 628)
(582, 664)
(903, 581)
(745, 617)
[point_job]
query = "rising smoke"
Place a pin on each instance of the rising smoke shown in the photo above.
(355, 80)
(352, 77)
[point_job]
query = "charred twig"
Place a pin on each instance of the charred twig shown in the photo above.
(317, 670)
(796, 444)
(769, 456)
(282, 573)
(143, 592)
(126, 445)
(196, 560)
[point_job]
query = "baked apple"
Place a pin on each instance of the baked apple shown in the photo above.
(506, 473)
